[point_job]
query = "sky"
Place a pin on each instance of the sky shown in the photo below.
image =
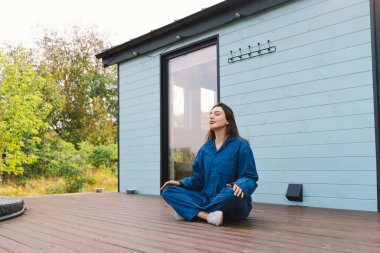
(24, 21)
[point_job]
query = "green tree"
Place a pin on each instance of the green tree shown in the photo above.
(90, 91)
(58, 158)
(23, 108)
(68, 163)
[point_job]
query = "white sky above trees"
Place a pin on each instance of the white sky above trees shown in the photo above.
(23, 21)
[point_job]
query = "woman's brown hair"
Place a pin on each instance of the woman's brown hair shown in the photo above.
(231, 126)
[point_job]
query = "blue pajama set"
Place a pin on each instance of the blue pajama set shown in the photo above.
(207, 189)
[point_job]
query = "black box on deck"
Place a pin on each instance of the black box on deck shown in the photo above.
(294, 192)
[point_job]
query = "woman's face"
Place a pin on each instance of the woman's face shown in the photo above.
(217, 118)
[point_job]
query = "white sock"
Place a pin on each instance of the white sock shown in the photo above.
(177, 216)
(215, 218)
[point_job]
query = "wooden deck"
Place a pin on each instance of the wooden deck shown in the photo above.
(116, 222)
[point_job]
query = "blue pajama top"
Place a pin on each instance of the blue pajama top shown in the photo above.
(233, 163)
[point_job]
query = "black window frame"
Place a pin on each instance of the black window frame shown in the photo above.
(164, 95)
(375, 42)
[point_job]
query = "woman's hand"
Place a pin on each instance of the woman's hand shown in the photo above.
(170, 182)
(238, 192)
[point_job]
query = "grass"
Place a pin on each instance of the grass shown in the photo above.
(40, 186)
(103, 179)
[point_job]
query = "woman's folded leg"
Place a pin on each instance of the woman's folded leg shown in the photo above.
(185, 202)
(233, 208)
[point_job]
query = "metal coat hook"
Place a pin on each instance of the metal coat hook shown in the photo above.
(243, 54)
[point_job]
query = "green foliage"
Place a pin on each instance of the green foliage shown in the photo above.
(89, 90)
(72, 164)
(67, 163)
(55, 189)
(58, 112)
(91, 181)
(183, 154)
(53, 185)
(182, 159)
(105, 156)
(23, 109)
(46, 151)
(58, 158)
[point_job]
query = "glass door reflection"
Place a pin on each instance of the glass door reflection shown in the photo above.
(192, 84)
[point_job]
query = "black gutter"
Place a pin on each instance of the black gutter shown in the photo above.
(375, 34)
(210, 18)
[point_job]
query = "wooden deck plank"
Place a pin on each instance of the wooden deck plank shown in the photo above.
(204, 237)
(170, 237)
(119, 219)
(116, 222)
(15, 245)
(31, 241)
(231, 235)
(141, 222)
(69, 241)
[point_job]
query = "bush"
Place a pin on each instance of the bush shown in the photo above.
(104, 157)
(71, 166)
(91, 180)
(57, 158)
(55, 189)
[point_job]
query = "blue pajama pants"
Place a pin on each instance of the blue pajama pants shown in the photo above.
(189, 203)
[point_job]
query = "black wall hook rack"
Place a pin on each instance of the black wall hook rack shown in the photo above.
(262, 49)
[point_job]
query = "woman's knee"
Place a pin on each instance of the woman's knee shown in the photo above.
(225, 197)
(169, 191)
(228, 193)
(232, 205)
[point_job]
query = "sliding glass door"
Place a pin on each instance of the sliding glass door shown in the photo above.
(192, 86)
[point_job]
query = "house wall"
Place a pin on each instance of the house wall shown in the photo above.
(139, 84)
(307, 109)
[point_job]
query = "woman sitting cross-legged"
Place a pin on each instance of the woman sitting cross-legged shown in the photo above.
(224, 176)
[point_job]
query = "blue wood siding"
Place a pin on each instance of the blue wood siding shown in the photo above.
(140, 126)
(307, 109)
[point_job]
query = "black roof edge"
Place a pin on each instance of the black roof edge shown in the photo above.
(194, 24)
